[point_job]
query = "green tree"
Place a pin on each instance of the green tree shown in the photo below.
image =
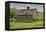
(12, 12)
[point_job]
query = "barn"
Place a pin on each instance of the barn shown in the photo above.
(27, 14)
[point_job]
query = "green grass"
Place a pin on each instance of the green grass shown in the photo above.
(16, 25)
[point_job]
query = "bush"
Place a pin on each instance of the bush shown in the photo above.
(12, 19)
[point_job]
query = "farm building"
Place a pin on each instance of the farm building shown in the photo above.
(26, 14)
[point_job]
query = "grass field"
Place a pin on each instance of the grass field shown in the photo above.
(16, 25)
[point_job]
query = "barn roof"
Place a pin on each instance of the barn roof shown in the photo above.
(25, 11)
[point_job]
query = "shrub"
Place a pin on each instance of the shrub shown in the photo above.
(12, 19)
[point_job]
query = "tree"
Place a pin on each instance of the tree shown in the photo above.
(12, 12)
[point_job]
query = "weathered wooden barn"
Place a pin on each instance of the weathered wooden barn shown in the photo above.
(27, 14)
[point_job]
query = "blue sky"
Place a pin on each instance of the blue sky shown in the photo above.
(24, 6)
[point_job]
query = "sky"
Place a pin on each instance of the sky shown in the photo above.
(24, 6)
